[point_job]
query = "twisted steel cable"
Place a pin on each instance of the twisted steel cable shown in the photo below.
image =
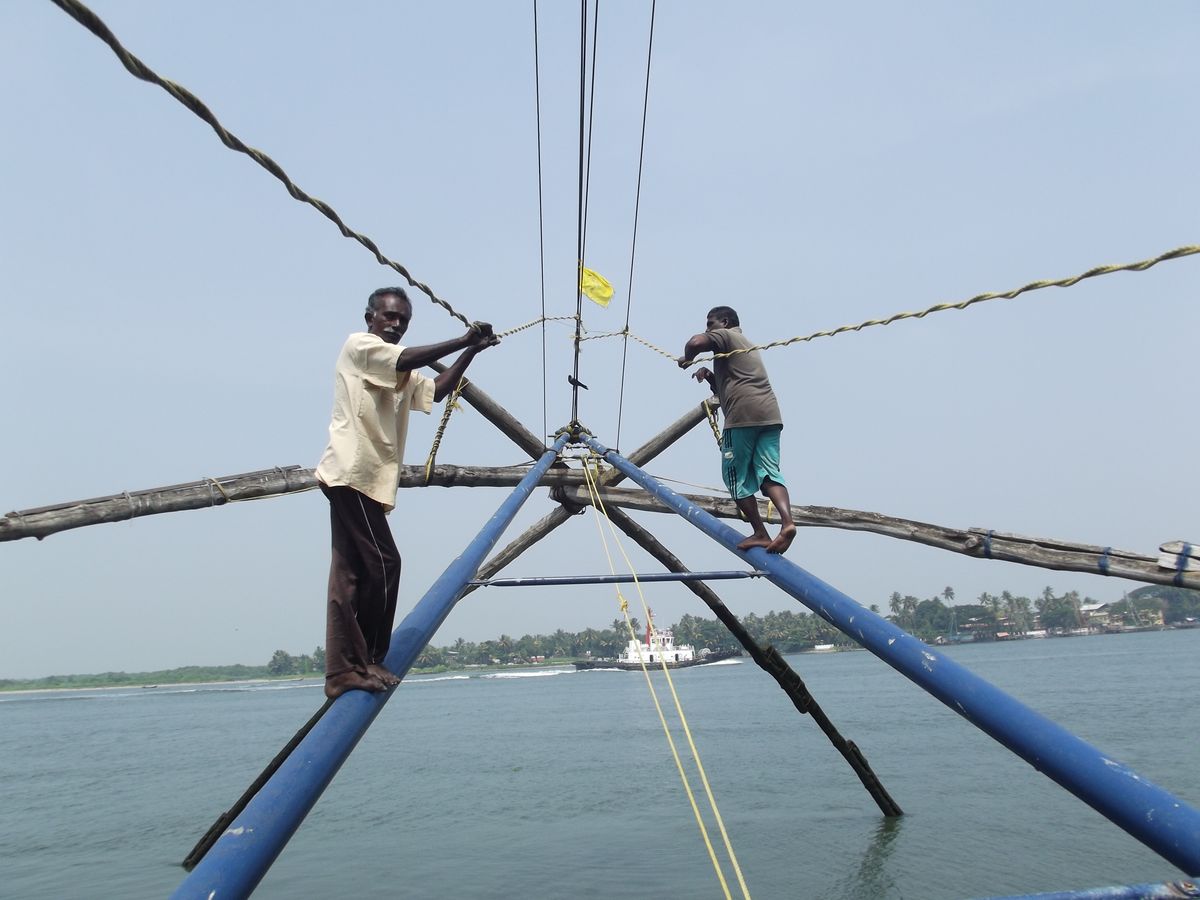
(138, 69)
(1141, 266)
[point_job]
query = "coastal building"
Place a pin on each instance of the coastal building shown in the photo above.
(1096, 615)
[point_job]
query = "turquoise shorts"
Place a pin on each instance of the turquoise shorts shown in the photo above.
(749, 457)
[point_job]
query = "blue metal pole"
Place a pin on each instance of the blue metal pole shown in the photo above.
(1152, 815)
(1169, 890)
(240, 858)
(726, 575)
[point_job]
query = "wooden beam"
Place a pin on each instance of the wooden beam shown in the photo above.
(767, 658)
(48, 520)
(43, 521)
(568, 489)
(483, 476)
(523, 542)
(1046, 554)
(500, 417)
(661, 441)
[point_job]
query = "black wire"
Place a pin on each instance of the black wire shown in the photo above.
(636, 205)
(587, 178)
(579, 226)
(537, 93)
(587, 170)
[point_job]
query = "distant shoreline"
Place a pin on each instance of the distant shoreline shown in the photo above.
(150, 683)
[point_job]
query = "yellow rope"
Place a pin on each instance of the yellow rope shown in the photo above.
(214, 483)
(537, 321)
(624, 604)
(1141, 266)
(712, 421)
(598, 504)
(451, 405)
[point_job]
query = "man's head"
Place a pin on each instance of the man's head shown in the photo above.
(388, 314)
(722, 317)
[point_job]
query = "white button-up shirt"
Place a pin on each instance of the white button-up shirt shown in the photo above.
(371, 404)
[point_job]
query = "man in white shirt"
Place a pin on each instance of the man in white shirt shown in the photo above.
(376, 386)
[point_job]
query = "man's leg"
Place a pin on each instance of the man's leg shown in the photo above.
(354, 594)
(778, 495)
(739, 481)
(378, 591)
(770, 479)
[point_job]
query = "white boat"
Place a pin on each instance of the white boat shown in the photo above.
(658, 650)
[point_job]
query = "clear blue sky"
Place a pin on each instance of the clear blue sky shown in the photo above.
(170, 313)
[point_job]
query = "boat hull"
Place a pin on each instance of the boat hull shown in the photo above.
(636, 666)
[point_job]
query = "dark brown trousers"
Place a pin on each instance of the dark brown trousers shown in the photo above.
(364, 579)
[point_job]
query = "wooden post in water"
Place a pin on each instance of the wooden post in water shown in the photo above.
(768, 659)
(1160, 820)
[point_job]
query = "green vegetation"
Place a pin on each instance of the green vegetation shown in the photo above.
(1006, 612)
(282, 665)
(1177, 604)
(929, 619)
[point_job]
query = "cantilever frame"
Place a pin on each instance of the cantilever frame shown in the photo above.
(243, 854)
(1158, 819)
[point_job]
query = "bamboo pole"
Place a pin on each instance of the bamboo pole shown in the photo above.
(523, 542)
(499, 416)
(768, 659)
(245, 850)
(566, 509)
(974, 542)
(1163, 822)
(567, 488)
(660, 442)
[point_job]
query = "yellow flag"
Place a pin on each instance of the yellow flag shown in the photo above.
(595, 286)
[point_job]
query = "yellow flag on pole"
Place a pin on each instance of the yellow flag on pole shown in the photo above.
(595, 286)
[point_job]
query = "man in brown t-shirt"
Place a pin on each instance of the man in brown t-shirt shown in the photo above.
(750, 441)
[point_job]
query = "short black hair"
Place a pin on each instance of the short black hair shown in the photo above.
(728, 313)
(384, 292)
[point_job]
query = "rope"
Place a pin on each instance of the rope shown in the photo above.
(212, 482)
(637, 202)
(703, 487)
(712, 423)
(625, 332)
(1141, 266)
(598, 505)
(451, 405)
(538, 321)
(139, 69)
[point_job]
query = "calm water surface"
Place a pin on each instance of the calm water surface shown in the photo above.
(561, 784)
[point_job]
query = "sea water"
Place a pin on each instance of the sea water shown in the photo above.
(555, 783)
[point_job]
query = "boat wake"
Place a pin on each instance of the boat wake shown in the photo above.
(540, 673)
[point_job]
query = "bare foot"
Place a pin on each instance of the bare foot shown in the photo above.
(786, 535)
(758, 539)
(353, 681)
(387, 676)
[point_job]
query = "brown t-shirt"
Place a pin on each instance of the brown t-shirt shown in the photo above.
(742, 384)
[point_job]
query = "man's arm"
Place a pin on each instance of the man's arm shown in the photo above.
(418, 357)
(447, 381)
(697, 344)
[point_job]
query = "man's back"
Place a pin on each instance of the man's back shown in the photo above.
(747, 398)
